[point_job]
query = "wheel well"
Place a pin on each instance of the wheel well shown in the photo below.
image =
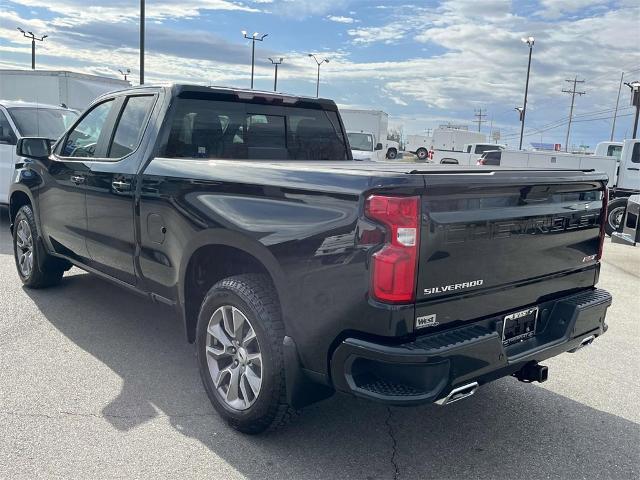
(18, 199)
(207, 266)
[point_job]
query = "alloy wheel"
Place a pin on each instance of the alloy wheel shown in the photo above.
(233, 357)
(24, 248)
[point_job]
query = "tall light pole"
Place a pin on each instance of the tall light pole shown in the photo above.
(529, 41)
(125, 73)
(256, 37)
(142, 22)
(33, 38)
(615, 114)
(319, 62)
(276, 63)
(635, 101)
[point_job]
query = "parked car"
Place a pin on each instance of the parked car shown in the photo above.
(296, 271)
(23, 119)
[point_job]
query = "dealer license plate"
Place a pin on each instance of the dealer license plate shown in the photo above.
(519, 326)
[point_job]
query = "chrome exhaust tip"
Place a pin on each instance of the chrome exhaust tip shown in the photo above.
(459, 393)
(587, 341)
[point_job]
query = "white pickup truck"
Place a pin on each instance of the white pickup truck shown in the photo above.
(623, 171)
(470, 154)
(23, 119)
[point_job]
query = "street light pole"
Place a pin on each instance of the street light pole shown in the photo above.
(529, 41)
(125, 74)
(255, 37)
(142, 23)
(33, 38)
(318, 62)
(276, 63)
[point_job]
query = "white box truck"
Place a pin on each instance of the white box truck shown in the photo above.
(367, 130)
(53, 87)
(444, 144)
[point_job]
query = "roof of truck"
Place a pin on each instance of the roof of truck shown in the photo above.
(241, 93)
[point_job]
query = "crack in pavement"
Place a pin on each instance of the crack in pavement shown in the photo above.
(394, 445)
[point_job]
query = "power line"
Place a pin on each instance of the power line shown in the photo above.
(480, 117)
(573, 93)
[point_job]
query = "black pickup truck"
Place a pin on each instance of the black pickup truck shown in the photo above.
(297, 271)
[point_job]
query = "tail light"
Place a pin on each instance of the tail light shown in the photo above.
(603, 221)
(394, 267)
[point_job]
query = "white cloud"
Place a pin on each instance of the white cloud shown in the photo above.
(340, 19)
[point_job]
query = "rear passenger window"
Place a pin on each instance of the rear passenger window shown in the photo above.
(235, 130)
(635, 155)
(130, 126)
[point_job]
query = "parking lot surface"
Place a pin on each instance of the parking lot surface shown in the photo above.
(98, 383)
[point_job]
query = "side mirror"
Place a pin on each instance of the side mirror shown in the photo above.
(378, 146)
(34, 147)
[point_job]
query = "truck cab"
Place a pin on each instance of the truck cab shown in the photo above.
(23, 119)
(365, 146)
(609, 149)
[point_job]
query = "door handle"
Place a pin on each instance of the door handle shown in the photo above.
(121, 186)
(633, 168)
(77, 179)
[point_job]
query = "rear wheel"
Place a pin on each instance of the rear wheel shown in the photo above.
(422, 153)
(239, 351)
(35, 267)
(615, 215)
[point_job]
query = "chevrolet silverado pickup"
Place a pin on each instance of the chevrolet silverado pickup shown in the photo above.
(298, 272)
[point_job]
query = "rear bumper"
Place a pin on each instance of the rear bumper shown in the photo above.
(430, 367)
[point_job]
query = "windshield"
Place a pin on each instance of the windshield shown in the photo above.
(361, 141)
(42, 122)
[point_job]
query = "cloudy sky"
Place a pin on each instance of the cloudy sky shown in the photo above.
(426, 63)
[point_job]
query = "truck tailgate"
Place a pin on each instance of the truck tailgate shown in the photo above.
(485, 235)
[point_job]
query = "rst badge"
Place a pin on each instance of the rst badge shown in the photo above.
(426, 321)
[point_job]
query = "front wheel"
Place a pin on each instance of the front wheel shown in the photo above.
(239, 351)
(615, 215)
(392, 154)
(35, 267)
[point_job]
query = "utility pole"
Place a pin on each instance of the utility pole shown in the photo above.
(256, 37)
(142, 22)
(33, 38)
(276, 63)
(530, 41)
(613, 127)
(480, 118)
(573, 93)
(635, 101)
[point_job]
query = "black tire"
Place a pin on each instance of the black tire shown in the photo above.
(422, 153)
(615, 215)
(255, 296)
(392, 154)
(45, 271)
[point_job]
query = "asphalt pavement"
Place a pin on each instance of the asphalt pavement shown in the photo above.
(96, 382)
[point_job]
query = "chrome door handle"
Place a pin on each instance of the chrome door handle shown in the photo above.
(121, 186)
(77, 179)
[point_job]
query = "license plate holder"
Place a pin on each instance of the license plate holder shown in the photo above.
(519, 326)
